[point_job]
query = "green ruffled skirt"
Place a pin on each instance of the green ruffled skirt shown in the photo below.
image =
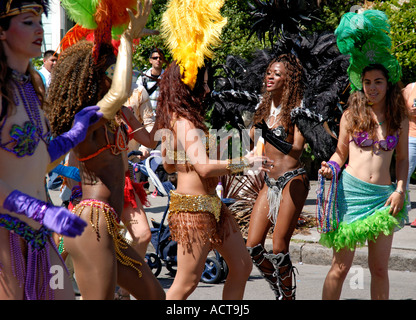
(362, 214)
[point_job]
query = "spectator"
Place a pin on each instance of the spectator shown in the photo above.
(49, 60)
(409, 94)
(150, 79)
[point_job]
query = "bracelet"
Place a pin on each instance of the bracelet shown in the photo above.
(237, 165)
(335, 165)
(399, 191)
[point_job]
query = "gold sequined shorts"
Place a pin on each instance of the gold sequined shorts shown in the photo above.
(199, 218)
(114, 228)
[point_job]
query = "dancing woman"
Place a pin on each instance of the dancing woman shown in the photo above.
(286, 187)
(27, 251)
(197, 219)
(375, 125)
(101, 256)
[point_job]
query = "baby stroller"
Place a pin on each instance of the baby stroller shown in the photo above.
(215, 269)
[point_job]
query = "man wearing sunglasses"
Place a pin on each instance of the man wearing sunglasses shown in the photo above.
(150, 79)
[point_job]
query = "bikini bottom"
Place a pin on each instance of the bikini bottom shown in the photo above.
(274, 193)
(199, 218)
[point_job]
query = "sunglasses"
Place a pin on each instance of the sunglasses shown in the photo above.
(156, 58)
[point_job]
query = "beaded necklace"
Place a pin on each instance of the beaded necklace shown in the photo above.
(327, 209)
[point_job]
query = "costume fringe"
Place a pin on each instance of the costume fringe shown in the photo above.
(356, 234)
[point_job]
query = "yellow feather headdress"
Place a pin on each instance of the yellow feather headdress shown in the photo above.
(191, 28)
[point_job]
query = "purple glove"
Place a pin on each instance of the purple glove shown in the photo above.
(66, 141)
(57, 219)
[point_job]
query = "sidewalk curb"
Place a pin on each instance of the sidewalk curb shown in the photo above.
(314, 253)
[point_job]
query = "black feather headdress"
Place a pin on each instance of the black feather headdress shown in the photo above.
(325, 75)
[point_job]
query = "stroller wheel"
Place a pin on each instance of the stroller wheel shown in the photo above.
(212, 271)
(172, 267)
(154, 263)
(223, 264)
(224, 270)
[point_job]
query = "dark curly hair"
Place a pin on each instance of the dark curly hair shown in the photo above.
(292, 91)
(177, 97)
(359, 112)
(77, 81)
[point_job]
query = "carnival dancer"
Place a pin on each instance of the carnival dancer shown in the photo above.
(27, 250)
(102, 257)
(369, 206)
(198, 220)
(286, 187)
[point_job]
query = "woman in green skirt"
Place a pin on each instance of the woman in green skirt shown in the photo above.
(374, 126)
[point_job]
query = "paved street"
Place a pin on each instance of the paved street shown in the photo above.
(312, 262)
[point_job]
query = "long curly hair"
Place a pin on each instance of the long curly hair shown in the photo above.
(359, 111)
(292, 91)
(176, 97)
(77, 81)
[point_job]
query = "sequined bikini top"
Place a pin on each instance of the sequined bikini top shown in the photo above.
(25, 138)
(362, 140)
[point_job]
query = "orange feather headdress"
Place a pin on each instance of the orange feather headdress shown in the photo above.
(100, 21)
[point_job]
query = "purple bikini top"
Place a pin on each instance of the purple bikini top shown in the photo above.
(361, 139)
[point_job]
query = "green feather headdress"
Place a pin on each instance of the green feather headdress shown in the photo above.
(104, 19)
(365, 38)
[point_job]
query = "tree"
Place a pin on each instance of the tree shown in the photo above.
(402, 17)
(234, 36)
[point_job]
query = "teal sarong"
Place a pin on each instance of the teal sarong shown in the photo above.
(362, 214)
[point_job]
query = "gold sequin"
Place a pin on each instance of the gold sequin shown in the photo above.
(237, 165)
(195, 203)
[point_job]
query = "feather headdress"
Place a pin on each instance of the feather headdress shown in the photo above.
(10, 8)
(99, 20)
(191, 28)
(324, 67)
(365, 38)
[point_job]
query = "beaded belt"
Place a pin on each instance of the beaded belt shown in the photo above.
(31, 269)
(195, 203)
(37, 239)
(114, 229)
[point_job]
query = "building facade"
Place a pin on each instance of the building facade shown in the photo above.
(55, 26)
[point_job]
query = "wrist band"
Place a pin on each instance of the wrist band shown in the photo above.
(399, 191)
(237, 165)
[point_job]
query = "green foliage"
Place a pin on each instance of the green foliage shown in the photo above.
(330, 12)
(402, 17)
(234, 36)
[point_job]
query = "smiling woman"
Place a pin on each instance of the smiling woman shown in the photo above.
(282, 197)
(369, 206)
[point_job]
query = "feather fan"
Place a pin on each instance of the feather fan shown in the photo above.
(191, 28)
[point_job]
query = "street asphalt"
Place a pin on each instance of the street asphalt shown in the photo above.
(312, 261)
